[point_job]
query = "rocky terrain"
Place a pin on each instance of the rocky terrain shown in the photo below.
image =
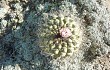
(23, 23)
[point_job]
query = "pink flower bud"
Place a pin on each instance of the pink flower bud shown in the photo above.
(65, 32)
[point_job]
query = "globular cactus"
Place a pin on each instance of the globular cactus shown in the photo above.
(59, 32)
(60, 35)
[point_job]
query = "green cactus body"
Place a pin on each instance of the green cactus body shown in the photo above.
(57, 45)
(53, 41)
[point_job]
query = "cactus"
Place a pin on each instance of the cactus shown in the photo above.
(59, 35)
(58, 32)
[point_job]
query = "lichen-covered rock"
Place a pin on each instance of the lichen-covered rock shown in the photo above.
(54, 27)
(3, 9)
(11, 15)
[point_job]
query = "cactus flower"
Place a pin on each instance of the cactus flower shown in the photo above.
(65, 32)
